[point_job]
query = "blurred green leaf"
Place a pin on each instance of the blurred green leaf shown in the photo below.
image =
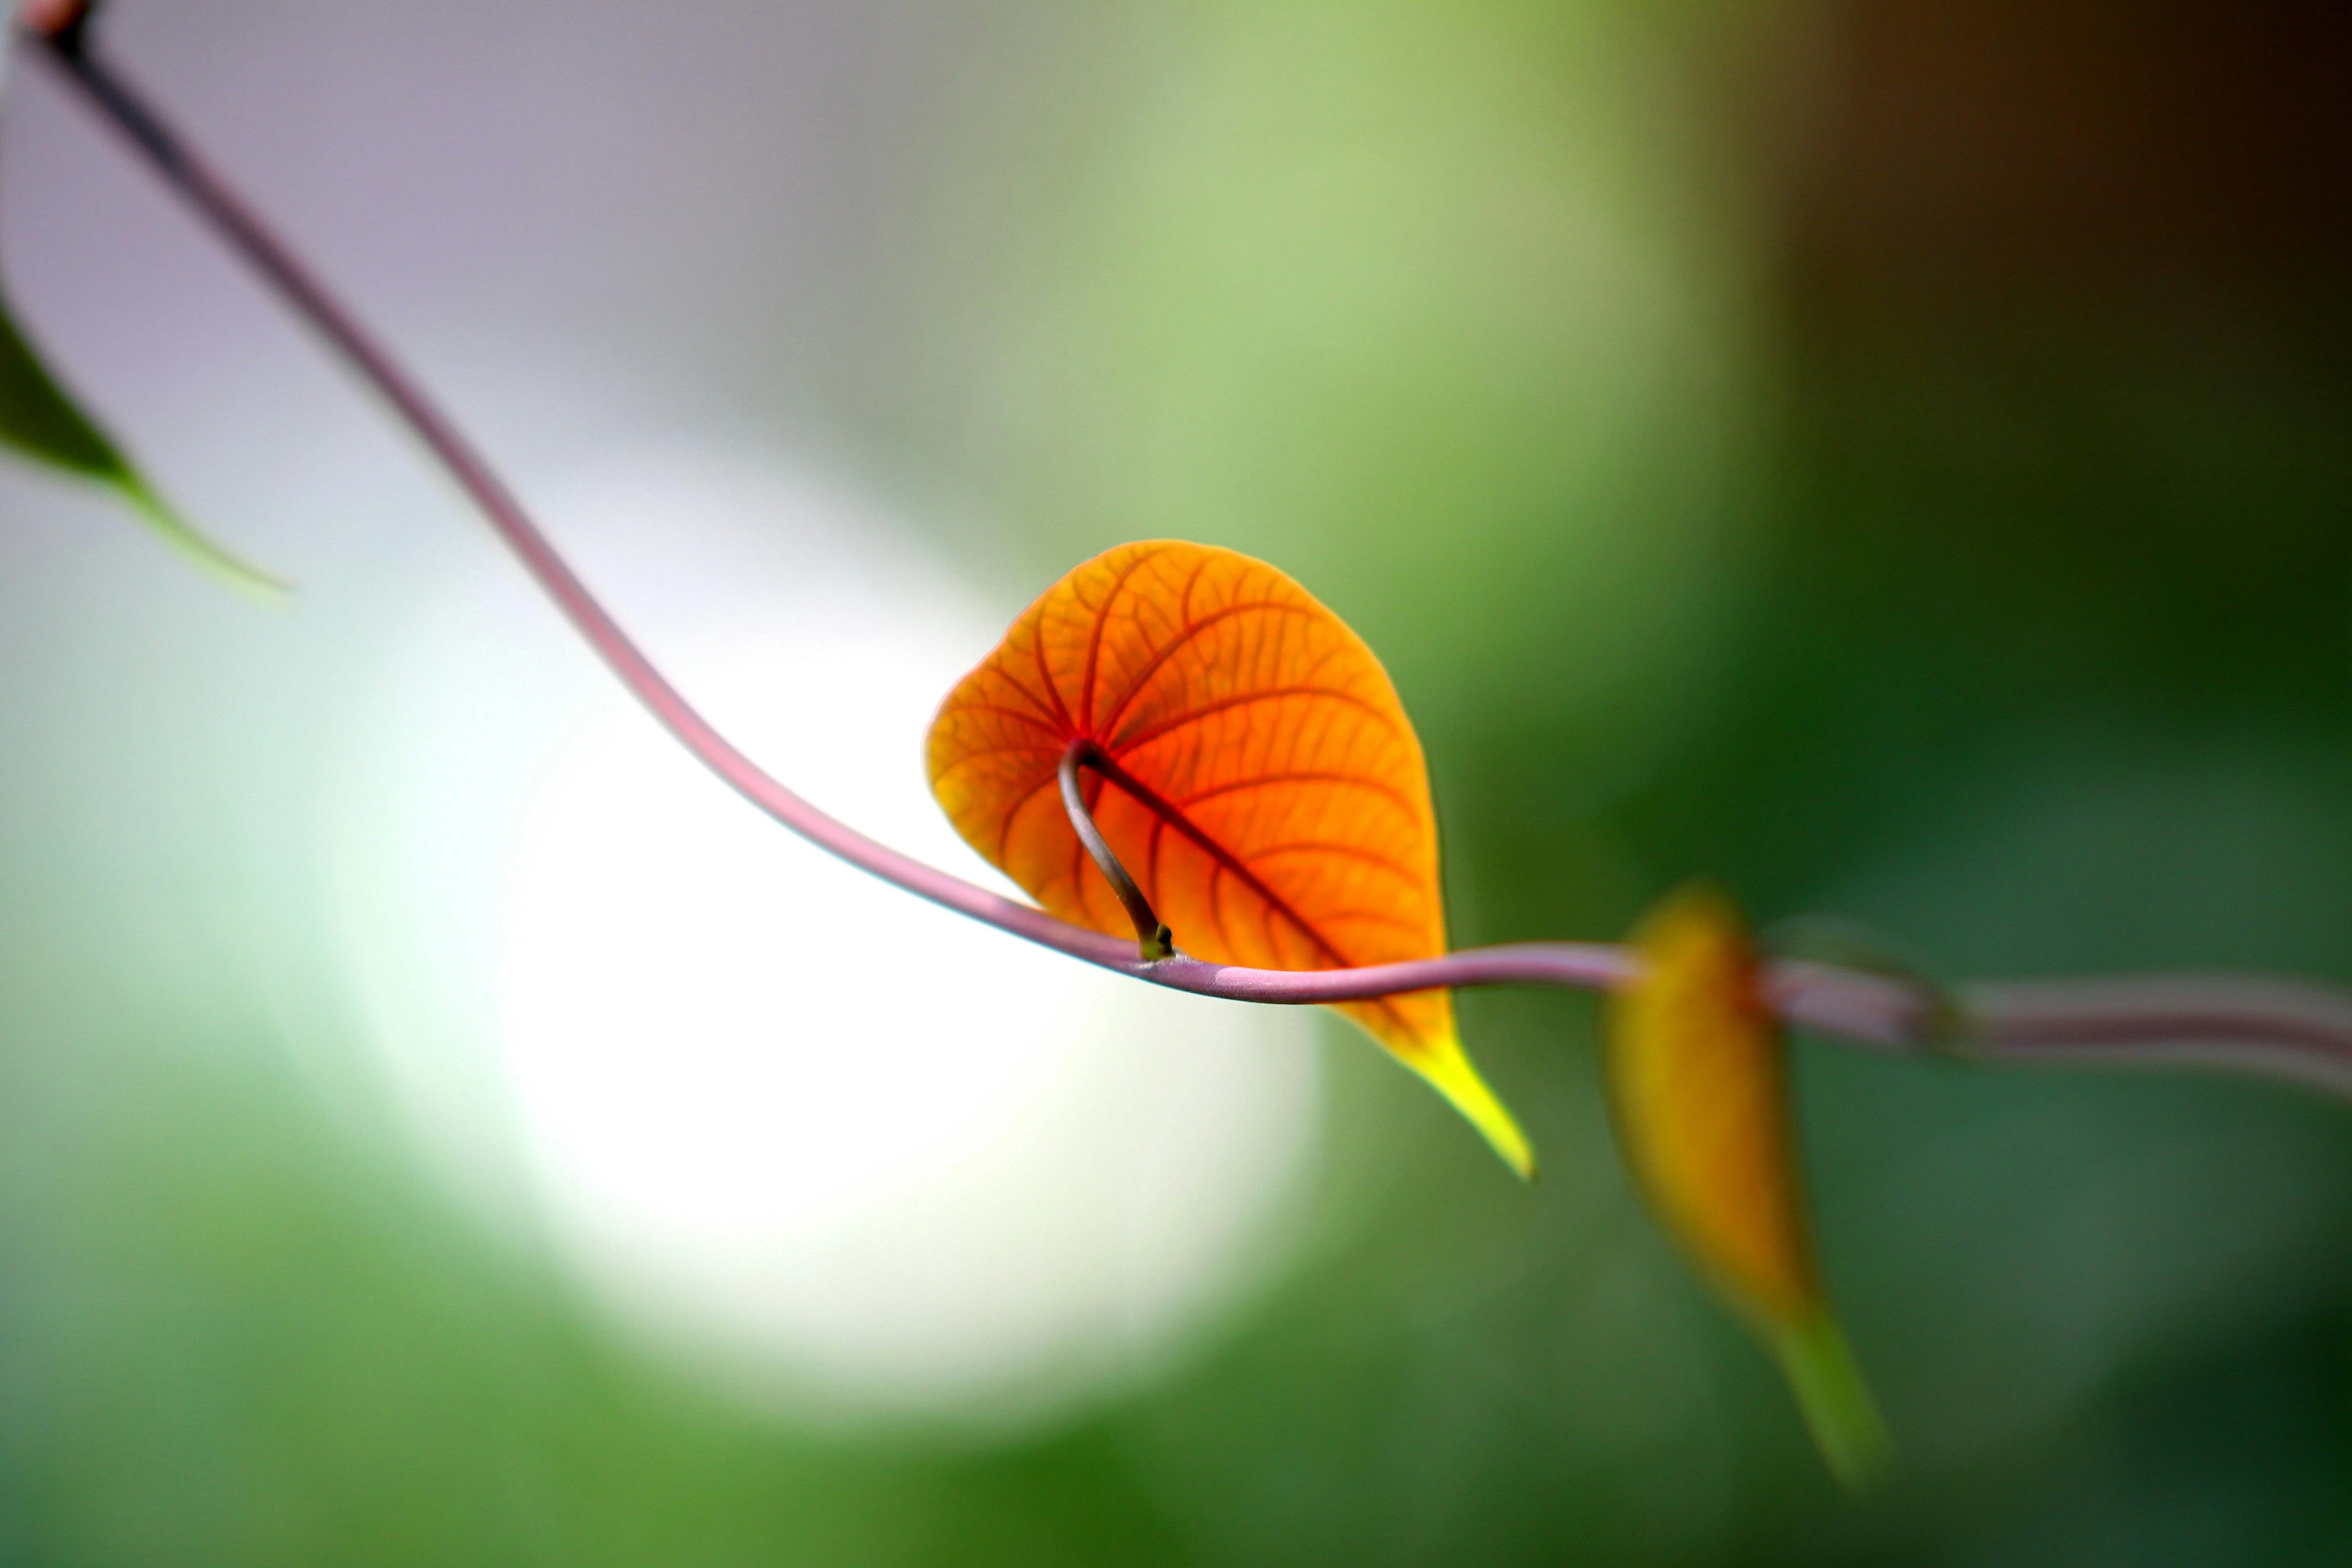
(40, 419)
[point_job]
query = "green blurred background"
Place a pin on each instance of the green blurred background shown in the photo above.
(1894, 458)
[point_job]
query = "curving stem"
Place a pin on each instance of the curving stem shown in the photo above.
(2275, 1028)
(1152, 938)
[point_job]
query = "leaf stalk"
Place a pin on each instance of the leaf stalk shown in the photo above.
(1153, 940)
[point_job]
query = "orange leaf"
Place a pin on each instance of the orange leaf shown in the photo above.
(1279, 815)
(1698, 1080)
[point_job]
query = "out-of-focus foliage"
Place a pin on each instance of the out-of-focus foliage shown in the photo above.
(1698, 1078)
(39, 420)
(1888, 456)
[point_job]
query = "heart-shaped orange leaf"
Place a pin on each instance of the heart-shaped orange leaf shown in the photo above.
(1271, 801)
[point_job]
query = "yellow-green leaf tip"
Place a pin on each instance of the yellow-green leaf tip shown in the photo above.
(214, 558)
(40, 419)
(1836, 1401)
(1447, 1069)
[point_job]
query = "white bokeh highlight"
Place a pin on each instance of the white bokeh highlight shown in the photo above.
(851, 1155)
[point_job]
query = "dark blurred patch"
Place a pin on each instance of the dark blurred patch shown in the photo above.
(2052, 668)
(2005, 149)
(2234, 1455)
(2070, 297)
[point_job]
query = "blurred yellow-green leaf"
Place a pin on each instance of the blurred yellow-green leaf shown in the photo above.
(1698, 1080)
(40, 419)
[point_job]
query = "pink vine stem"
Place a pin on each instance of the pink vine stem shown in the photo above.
(2280, 1029)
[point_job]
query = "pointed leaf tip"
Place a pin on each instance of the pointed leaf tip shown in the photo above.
(1446, 1067)
(1697, 1078)
(208, 557)
(1835, 1402)
(40, 419)
(1276, 809)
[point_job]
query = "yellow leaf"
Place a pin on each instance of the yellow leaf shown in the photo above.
(1697, 1076)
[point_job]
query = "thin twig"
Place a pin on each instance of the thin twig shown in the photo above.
(2275, 1028)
